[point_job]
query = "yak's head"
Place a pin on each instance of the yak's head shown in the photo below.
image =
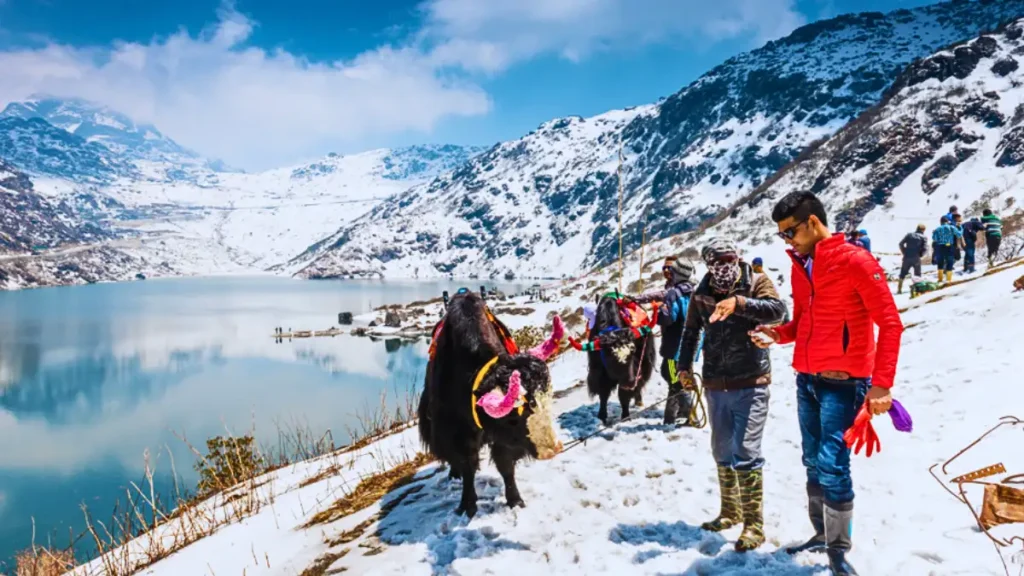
(514, 399)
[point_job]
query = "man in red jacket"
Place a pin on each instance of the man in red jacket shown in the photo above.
(839, 295)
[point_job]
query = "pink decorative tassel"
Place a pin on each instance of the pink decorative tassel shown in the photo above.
(497, 406)
(549, 346)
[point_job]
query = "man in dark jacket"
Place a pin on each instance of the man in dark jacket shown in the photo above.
(730, 302)
(913, 248)
(971, 229)
(671, 317)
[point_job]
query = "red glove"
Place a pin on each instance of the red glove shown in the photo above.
(862, 434)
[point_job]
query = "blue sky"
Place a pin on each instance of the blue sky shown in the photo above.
(263, 83)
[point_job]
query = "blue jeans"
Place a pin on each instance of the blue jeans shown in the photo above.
(969, 258)
(826, 409)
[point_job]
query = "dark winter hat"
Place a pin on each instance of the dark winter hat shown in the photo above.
(682, 271)
(758, 262)
(716, 248)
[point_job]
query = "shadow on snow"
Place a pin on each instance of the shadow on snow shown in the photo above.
(582, 421)
(682, 536)
(424, 512)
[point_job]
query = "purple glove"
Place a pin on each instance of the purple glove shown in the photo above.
(900, 417)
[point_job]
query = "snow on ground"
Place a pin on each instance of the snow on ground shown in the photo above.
(632, 498)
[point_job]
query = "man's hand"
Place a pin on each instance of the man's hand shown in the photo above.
(686, 379)
(724, 309)
(757, 336)
(879, 400)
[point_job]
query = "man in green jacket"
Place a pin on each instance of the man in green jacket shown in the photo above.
(993, 234)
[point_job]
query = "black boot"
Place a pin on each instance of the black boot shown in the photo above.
(816, 512)
(839, 537)
(671, 408)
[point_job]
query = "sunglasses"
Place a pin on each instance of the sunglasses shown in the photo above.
(790, 233)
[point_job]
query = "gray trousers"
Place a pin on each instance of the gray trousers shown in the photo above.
(737, 420)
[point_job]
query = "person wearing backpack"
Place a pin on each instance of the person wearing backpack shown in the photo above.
(730, 301)
(944, 238)
(993, 234)
(672, 317)
(912, 247)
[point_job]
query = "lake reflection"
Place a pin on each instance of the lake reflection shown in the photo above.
(93, 376)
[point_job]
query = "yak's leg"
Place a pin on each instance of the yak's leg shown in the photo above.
(602, 412)
(506, 465)
(624, 397)
(453, 472)
(468, 467)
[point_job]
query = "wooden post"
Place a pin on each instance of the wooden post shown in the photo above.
(620, 212)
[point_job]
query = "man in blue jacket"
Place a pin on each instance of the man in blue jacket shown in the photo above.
(945, 238)
(864, 240)
(672, 317)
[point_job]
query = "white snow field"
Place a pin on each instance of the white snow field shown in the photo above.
(631, 499)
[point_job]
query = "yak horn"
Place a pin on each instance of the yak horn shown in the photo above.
(549, 346)
(498, 406)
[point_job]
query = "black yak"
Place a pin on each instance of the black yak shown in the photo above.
(479, 390)
(618, 356)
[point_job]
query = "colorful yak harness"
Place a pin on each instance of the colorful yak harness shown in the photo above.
(510, 347)
(636, 319)
(476, 385)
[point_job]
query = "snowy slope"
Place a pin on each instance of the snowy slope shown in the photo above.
(630, 500)
(949, 132)
(546, 204)
(256, 221)
(30, 221)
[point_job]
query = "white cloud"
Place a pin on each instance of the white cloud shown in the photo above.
(259, 108)
(490, 36)
(251, 107)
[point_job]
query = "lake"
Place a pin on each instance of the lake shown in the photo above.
(91, 377)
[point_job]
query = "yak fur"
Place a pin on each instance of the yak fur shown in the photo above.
(466, 343)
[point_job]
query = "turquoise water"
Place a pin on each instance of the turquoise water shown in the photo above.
(93, 377)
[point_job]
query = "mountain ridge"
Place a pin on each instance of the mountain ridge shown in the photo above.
(686, 158)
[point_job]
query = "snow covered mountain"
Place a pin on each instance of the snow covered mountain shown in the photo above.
(140, 144)
(35, 145)
(128, 180)
(29, 221)
(546, 204)
(950, 131)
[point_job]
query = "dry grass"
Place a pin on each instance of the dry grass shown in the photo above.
(322, 564)
(354, 533)
(39, 561)
(574, 319)
(145, 528)
(559, 394)
(370, 490)
(511, 311)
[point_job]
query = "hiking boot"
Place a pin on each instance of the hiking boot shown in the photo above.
(752, 507)
(729, 491)
(839, 537)
(816, 512)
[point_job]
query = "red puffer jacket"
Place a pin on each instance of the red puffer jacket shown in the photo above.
(835, 312)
